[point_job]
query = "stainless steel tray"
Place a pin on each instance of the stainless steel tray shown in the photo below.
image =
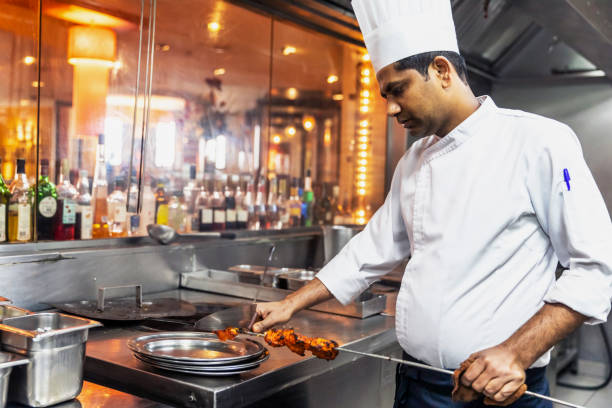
(202, 280)
(8, 311)
(218, 368)
(203, 348)
(295, 279)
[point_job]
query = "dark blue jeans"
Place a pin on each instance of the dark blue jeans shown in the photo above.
(416, 388)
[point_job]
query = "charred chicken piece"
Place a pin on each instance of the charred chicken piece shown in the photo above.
(228, 333)
(323, 348)
(318, 346)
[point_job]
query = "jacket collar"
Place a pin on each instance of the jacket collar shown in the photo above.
(470, 126)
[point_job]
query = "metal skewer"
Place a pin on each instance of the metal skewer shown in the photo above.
(430, 368)
(441, 370)
(261, 283)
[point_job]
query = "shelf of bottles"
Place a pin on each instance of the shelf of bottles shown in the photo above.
(363, 151)
(78, 207)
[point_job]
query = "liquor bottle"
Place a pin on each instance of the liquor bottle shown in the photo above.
(117, 211)
(249, 204)
(242, 213)
(204, 210)
(282, 203)
(84, 216)
(147, 210)
(20, 206)
(65, 218)
(191, 190)
(217, 202)
(230, 208)
(272, 214)
(260, 204)
(46, 203)
(295, 206)
(176, 212)
(5, 197)
(334, 204)
(307, 202)
(133, 194)
(99, 195)
(161, 205)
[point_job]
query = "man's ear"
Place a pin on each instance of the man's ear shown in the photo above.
(441, 68)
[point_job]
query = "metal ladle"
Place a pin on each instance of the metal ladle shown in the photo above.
(165, 234)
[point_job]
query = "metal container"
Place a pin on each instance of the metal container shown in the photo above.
(252, 274)
(295, 279)
(55, 346)
(335, 237)
(7, 362)
(8, 311)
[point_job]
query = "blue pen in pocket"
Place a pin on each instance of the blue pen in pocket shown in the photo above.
(567, 179)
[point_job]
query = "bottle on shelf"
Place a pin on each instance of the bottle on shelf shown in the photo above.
(272, 214)
(133, 194)
(5, 197)
(84, 215)
(323, 214)
(46, 203)
(230, 208)
(282, 203)
(307, 202)
(203, 210)
(20, 206)
(147, 210)
(176, 212)
(295, 206)
(242, 212)
(65, 218)
(191, 190)
(99, 195)
(260, 204)
(161, 205)
(117, 211)
(249, 204)
(334, 205)
(217, 201)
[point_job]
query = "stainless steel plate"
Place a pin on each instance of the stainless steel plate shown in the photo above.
(200, 372)
(219, 368)
(204, 348)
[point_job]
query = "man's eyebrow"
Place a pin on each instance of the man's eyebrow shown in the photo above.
(392, 85)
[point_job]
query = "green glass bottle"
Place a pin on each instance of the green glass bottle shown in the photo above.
(5, 196)
(46, 204)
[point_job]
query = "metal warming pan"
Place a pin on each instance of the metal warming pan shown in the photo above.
(130, 308)
(194, 347)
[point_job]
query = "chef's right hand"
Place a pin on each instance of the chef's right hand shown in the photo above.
(272, 313)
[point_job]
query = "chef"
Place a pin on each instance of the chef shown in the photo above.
(486, 204)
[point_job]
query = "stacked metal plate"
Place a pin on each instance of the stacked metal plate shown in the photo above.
(198, 353)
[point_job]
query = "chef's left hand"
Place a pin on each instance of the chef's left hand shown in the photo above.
(496, 372)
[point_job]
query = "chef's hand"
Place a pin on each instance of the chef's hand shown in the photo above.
(497, 373)
(272, 313)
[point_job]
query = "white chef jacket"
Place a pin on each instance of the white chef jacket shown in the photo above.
(485, 214)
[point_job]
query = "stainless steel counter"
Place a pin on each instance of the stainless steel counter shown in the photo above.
(284, 377)
(97, 396)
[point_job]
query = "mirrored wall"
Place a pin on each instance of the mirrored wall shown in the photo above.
(117, 114)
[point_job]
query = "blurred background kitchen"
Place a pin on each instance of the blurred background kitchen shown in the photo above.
(209, 115)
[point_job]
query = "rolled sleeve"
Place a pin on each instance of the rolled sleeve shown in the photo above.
(578, 224)
(372, 253)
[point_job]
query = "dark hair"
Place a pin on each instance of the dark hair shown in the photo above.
(421, 62)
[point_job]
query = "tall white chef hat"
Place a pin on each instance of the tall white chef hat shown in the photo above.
(396, 29)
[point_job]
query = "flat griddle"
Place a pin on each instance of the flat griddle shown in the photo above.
(127, 308)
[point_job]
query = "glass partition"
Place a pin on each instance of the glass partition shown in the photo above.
(206, 116)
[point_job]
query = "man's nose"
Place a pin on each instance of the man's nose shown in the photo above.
(393, 108)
